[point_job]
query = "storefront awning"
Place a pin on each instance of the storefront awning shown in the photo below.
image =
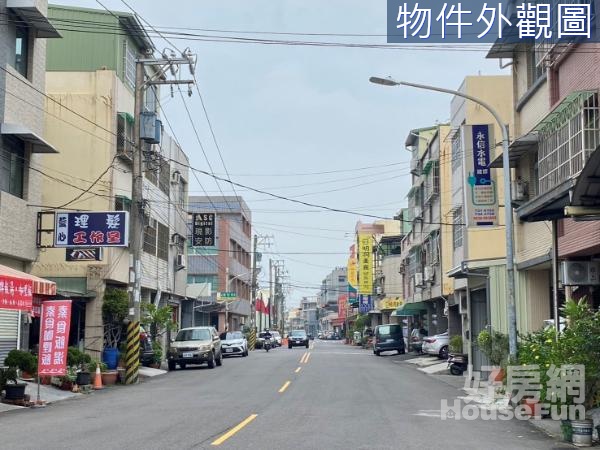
(410, 309)
(39, 145)
(41, 286)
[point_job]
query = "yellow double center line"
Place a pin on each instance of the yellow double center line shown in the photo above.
(304, 358)
(234, 430)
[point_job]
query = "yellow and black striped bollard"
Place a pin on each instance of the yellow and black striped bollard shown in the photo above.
(132, 359)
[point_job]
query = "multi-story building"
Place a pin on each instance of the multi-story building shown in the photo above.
(226, 265)
(476, 211)
(90, 117)
(556, 134)
(333, 286)
(420, 260)
(22, 139)
(309, 315)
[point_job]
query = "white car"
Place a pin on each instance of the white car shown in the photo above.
(436, 345)
(276, 338)
(234, 344)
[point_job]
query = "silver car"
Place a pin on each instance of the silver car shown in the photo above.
(234, 344)
(196, 345)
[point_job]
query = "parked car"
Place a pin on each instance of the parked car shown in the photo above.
(298, 338)
(387, 338)
(276, 338)
(235, 343)
(335, 337)
(195, 345)
(436, 345)
(146, 351)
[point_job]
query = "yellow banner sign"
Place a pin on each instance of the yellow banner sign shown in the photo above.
(390, 303)
(353, 272)
(365, 264)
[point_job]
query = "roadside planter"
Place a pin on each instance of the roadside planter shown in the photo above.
(582, 432)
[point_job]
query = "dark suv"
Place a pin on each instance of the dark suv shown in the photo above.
(297, 338)
(387, 338)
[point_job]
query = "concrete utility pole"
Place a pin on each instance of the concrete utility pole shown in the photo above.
(161, 67)
(270, 291)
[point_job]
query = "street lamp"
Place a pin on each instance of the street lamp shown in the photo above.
(510, 270)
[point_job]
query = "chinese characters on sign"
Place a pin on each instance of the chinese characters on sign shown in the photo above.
(365, 303)
(54, 337)
(16, 293)
(203, 229)
(472, 21)
(365, 264)
(98, 229)
(482, 202)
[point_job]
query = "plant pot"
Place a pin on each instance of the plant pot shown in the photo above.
(582, 432)
(496, 375)
(155, 365)
(109, 377)
(110, 356)
(83, 378)
(66, 386)
(530, 405)
(46, 380)
(567, 430)
(26, 375)
(15, 391)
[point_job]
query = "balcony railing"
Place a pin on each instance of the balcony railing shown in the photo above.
(568, 136)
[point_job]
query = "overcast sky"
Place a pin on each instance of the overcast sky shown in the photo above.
(279, 111)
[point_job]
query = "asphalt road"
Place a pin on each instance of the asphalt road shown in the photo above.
(339, 397)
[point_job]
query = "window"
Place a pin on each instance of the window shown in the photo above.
(457, 229)
(12, 166)
(125, 135)
(163, 242)
(150, 237)
(164, 176)
(341, 279)
(535, 65)
(22, 51)
(456, 150)
(129, 64)
(122, 203)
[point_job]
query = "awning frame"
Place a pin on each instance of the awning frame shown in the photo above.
(38, 144)
(33, 17)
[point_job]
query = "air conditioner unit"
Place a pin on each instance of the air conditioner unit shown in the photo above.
(429, 273)
(581, 273)
(180, 261)
(176, 177)
(519, 190)
(419, 279)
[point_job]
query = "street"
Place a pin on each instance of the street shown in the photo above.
(331, 396)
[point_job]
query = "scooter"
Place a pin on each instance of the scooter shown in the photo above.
(458, 364)
(267, 344)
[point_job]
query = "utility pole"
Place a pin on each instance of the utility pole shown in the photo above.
(271, 298)
(161, 67)
(253, 286)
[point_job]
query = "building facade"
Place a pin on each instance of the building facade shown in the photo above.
(226, 265)
(90, 115)
(24, 35)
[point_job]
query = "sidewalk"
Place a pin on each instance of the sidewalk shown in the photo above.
(51, 394)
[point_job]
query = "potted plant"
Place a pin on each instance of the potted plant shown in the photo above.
(13, 390)
(115, 309)
(494, 345)
(80, 361)
(24, 361)
(456, 344)
(158, 353)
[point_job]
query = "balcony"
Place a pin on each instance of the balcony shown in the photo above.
(567, 137)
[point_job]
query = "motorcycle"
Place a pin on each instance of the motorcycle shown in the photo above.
(458, 364)
(267, 344)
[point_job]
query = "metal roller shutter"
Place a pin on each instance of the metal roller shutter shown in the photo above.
(9, 322)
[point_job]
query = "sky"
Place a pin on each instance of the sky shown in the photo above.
(283, 115)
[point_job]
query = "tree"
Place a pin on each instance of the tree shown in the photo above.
(115, 309)
(157, 319)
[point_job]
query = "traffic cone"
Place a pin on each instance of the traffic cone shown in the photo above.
(98, 379)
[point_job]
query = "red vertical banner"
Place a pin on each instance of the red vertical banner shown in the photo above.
(54, 337)
(15, 293)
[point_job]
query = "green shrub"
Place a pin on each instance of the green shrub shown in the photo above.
(23, 360)
(456, 344)
(77, 358)
(494, 345)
